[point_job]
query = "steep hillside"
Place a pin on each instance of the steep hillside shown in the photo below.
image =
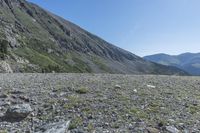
(34, 40)
(190, 62)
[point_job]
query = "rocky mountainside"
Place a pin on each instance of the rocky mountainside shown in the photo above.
(189, 62)
(35, 40)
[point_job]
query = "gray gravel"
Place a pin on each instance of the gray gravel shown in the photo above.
(101, 103)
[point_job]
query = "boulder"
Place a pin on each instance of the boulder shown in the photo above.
(59, 127)
(5, 67)
(172, 129)
(18, 112)
(152, 130)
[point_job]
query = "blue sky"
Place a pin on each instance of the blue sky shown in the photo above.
(142, 27)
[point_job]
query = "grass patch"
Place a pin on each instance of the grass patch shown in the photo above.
(74, 101)
(194, 109)
(3, 131)
(90, 127)
(100, 64)
(75, 123)
(82, 90)
(138, 113)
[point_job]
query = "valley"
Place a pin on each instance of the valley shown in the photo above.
(56, 77)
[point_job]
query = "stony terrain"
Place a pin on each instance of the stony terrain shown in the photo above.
(81, 103)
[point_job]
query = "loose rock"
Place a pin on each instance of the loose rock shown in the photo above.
(60, 127)
(172, 129)
(152, 130)
(18, 112)
(118, 87)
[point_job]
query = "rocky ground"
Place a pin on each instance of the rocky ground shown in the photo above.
(82, 103)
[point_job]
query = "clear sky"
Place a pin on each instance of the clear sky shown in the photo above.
(142, 27)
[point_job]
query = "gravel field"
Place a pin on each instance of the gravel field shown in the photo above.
(84, 103)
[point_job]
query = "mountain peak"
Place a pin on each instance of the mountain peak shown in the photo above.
(189, 62)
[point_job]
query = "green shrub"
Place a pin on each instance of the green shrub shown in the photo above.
(3, 48)
(51, 68)
(82, 90)
(75, 123)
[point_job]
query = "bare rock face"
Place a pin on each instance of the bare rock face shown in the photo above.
(18, 112)
(5, 67)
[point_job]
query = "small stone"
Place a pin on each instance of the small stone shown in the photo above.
(16, 91)
(181, 124)
(78, 131)
(7, 103)
(172, 129)
(24, 98)
(1, 115)
(195, 103)
(3, 96)
(118, 87)
(160, 124)
(135, 90)
(186, 131)
(171, 120)
(152, 130)
(162, 108)
(151, 86)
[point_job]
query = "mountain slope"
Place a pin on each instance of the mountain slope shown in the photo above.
(190, 62)
(35, 40)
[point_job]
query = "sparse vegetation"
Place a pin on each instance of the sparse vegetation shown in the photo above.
(3, 48)
(91, 103)
(90, 127)
(82, 90)
(74, 101)
(35, 40)
(194, 109)
(52, 68)
(3, 131)
(75, 123)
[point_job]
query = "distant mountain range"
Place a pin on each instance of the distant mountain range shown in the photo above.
(35, 40)
(189, 62)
